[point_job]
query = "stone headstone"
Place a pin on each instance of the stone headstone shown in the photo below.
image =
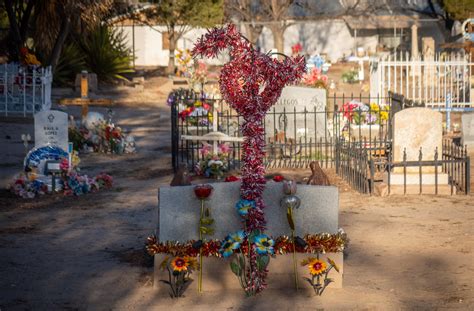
(416, 128)
(468, 130)
(179, 211)
(51, 128)
(299, 98)
(428, 47)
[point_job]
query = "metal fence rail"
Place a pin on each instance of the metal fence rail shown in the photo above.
(433, 80)
(358, 164)
(24, 89)
(294, 137)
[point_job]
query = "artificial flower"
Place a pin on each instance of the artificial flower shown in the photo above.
(203, 191)
(231, 178)
(180, 264)
(264, 244)
(315, 266)
(278, 178)
(243, 206)
(231, 243)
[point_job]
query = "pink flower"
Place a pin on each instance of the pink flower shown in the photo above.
(224, 148)
(205, 150)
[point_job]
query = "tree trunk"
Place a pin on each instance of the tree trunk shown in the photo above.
(253, 33)
(278, 40)
(14, 49)
(58, 45)
(173, 39)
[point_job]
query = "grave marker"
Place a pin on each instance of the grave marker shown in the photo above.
(51, 128)
(298, 97)
(468, 130)
(414, 128)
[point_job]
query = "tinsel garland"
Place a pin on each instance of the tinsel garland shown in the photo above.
(251, 83)
(315, 243)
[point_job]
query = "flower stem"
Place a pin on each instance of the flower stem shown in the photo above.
(295, 266)
(200, 249)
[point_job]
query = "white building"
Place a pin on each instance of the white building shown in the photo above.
(320, 28)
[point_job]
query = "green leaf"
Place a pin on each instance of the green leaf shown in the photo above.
(262, 262)
(289, 216)
(207, 213)
(207, 221)
(235, 268)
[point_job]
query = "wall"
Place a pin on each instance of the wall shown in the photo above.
(148, 44)
(330, 37)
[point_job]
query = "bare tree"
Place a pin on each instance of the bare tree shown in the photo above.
(248, 12)
(179, 16)
(276, 15)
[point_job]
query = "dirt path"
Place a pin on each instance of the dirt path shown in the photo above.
(86, 253)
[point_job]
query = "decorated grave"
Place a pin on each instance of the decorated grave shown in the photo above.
(52, 166)
(96, 134)
(251, 83)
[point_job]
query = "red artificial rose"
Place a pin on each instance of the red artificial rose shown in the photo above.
(203, 191)
(278, 178)
(231, 178)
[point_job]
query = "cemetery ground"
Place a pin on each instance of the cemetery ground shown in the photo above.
(87, 252)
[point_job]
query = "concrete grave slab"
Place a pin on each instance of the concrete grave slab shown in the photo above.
(178, 212)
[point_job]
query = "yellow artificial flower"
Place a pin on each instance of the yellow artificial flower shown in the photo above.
(374, 107)
(179, 264)
(315, 266)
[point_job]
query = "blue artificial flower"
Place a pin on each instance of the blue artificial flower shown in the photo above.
(264, 244)
(231, 243)
(243, 206)
(237, 237)
(227, 248)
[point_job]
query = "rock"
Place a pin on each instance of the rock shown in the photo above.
(181, 178)
(381, 189)
(318, 177)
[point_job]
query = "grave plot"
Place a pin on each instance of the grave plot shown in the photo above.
(416, 160)
(52, 165)
(267, 233)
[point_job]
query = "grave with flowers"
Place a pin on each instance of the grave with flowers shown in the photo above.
(52, 166)
(248, 233)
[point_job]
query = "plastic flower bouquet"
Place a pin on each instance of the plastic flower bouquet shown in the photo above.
(316, 79)
(356, 112)
(213, 165)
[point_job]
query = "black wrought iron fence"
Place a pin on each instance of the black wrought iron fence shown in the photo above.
(294, 136)
(359, 163)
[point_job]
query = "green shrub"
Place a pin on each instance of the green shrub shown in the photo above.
(106, 53)
(70, 63)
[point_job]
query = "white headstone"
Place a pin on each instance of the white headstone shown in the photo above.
(468, 130)
(416, 128)
(51, 128)
(299, 98)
